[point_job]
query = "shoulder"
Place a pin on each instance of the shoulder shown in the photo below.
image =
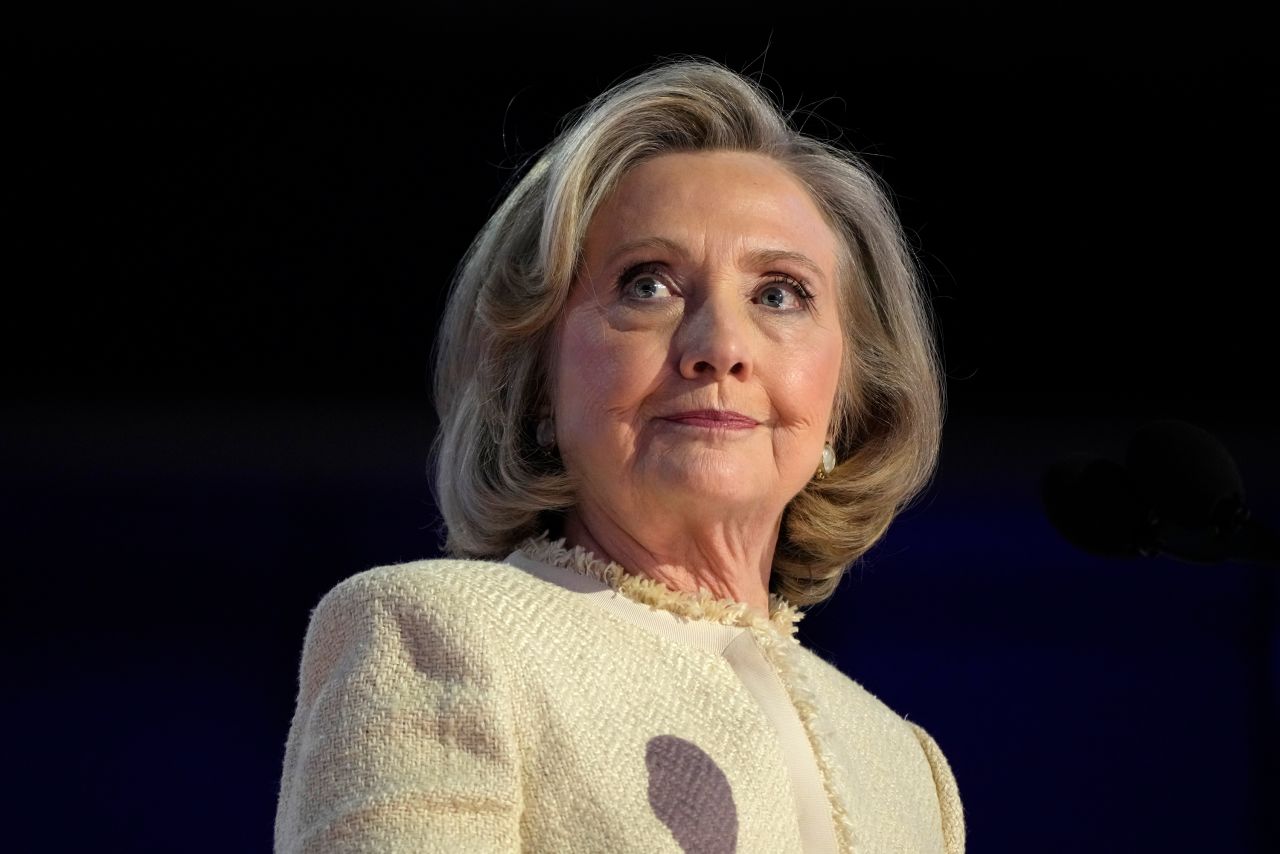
(404, 673)
(414, 577)
(447, 585)
(427, 618)
(451, 606)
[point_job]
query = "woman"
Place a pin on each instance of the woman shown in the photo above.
(684, 379)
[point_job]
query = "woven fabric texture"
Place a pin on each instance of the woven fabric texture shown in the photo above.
(469, 706)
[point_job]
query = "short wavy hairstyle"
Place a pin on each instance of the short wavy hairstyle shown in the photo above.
(495, 486)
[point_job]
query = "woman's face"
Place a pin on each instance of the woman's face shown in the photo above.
(699, 352)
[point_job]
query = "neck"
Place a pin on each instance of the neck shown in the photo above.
(722, 558)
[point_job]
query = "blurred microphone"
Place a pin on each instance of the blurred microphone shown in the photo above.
(1178, 493)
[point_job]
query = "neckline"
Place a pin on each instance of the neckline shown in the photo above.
(702, 605)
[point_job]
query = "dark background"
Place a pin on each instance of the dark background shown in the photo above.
(231, 239)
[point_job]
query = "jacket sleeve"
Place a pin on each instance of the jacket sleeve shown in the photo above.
(948, 793)
(402, 739)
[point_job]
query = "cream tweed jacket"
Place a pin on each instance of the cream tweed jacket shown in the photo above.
(555, 703)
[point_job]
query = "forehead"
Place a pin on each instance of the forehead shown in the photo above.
(702, 199)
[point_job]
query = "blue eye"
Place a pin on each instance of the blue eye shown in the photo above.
(777, 297)
(785, 295)
(647, 286)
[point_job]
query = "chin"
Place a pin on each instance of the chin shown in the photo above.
(698, 478)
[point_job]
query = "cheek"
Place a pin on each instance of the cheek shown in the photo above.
(809, 386)
(604, 377)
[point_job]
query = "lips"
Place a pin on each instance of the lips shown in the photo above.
(714, 419)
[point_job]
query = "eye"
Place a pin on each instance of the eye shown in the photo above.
(784, 294)
(647, 286)
(643, 282)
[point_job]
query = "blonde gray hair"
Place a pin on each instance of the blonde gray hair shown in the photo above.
(495, 486)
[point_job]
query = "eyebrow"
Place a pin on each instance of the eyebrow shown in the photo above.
(756, 257)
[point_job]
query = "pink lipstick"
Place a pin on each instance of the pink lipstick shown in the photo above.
(714, 419)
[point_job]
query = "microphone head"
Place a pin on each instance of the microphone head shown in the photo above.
(1185, 474)
(1093, 503)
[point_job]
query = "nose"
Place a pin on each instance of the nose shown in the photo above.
(713, 340)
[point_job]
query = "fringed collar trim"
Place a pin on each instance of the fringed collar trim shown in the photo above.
(702, 605)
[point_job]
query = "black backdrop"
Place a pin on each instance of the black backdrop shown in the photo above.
(230, 242)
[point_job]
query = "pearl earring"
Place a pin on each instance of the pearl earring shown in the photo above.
(547, 433)
(828, 464)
